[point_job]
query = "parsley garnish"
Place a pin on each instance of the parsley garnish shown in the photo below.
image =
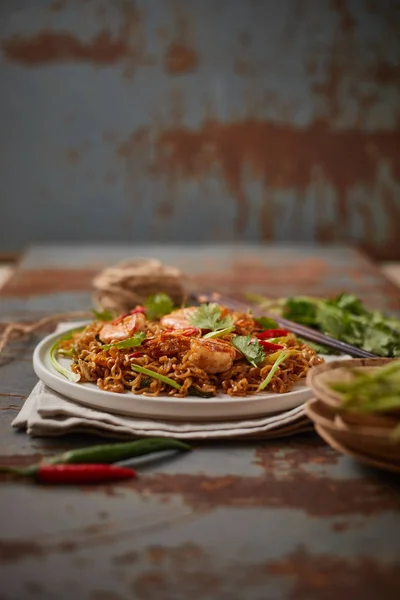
(208, 316)
(250, 348)
(158, 305)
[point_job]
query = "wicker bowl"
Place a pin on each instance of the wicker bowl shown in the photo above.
(367, 437)
(362, 457)
(319, 377)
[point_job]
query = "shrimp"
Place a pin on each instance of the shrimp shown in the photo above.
(122, 328)
(244, 323)
(178, 319)
(213, 356)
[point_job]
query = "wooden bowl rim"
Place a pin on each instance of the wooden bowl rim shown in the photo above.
(359, 456)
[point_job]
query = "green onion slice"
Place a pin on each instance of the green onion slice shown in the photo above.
(282, 356)
(54, 350)
(219, 333)
(155, 375)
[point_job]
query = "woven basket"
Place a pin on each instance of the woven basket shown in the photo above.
(362, 457)
(367, 437)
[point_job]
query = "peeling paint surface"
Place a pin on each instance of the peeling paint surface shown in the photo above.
(282, 520)
(48, 274)
(258, 123)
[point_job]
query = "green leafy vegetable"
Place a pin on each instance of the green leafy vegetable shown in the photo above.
(219, 333)
(158, 305)
(208, 316)
(194, 391)
(132, 342)
(250, 347)
(372, 391)
(104, 315)
(155, 375)
(55, 349)
(145, 382)
(283, 355)
(266, 322)
(301, 310)
(344, 318)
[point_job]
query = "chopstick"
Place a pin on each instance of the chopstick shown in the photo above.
(301, 330)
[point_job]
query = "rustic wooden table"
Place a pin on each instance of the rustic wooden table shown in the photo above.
(285, 519)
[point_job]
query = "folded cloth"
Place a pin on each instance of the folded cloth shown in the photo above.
(47, 413)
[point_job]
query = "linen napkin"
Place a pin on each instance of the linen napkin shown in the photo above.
(47, 413)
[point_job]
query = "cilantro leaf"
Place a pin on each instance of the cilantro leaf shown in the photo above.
(132, 342)
(208, 316)
(344, 318)
(158, 305)
(301, 310)
(350, 303)
(250, 347)
(333, 321)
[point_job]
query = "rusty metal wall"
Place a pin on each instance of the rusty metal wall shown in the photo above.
(170, 120)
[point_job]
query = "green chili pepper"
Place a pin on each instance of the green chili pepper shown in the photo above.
(110, 453)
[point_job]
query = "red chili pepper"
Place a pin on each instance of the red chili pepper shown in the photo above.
(272, 333)
(190, 331)
(138, 309)
(74, 474)
(135, 354)
(270, 346)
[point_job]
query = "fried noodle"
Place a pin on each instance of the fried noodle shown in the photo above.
(200, 366)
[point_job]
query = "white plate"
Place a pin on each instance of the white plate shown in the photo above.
(162, 407)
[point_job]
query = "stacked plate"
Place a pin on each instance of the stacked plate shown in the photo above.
(366, 437)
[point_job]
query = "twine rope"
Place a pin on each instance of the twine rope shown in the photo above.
(117, 289)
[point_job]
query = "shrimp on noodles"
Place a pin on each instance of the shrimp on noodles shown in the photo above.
(197, 350)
